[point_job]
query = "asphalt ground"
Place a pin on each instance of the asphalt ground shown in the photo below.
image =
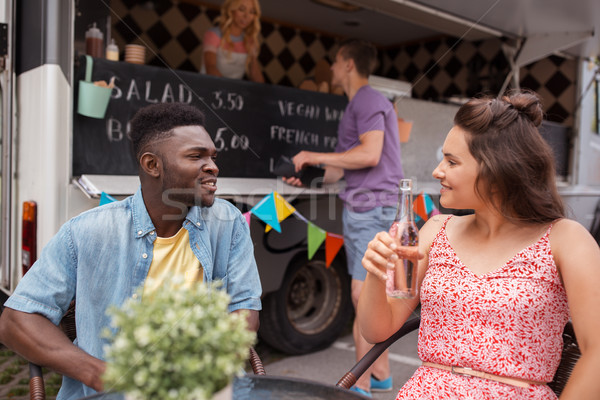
(329, 365)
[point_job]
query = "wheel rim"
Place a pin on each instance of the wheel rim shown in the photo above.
(314, 298)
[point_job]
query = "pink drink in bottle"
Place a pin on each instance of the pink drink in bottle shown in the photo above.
(402, 279)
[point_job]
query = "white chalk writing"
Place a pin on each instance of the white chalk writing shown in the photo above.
(294, 136)
(291, 108)
(153, 92)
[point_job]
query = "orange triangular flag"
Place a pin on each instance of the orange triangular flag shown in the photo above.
(333, 244)
(419, 207)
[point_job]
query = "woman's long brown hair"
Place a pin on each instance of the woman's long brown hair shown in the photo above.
(516, 165)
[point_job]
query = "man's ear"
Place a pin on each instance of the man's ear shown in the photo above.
(151, 164)
(349, 64)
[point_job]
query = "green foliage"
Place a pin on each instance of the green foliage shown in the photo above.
(20, 361)
(18, 391)
(6, 353)
(182, 344)
(5, 377)
(54, 379)
(52, 390)
(13, 369)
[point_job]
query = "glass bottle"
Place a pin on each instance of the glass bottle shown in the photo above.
(402, 279)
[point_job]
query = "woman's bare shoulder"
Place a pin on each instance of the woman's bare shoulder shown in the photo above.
(566, 227)
(432, 227)
(568, 235)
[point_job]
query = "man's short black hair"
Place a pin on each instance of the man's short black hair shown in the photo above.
(157, 121)
(363, 53)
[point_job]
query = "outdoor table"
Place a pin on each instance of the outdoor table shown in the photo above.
(266, 387)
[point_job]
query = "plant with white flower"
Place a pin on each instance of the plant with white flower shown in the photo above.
(181, 344)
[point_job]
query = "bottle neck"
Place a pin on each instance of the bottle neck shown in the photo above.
(405, 206)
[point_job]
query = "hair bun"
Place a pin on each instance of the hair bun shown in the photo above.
(528, 104)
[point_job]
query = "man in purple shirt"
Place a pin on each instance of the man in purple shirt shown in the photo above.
(368, 157)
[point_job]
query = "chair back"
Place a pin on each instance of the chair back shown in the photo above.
(361, 366)
(595, 228)
(569, 357)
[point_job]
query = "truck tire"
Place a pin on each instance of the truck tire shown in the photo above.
(310, 309)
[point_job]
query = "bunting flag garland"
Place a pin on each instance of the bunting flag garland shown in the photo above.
(283, 209)
(424, 208)
(247, 216)
(315, 236)
(273, 209)
(333, 244)
(106, 198)
(267, 212)
(431, 209)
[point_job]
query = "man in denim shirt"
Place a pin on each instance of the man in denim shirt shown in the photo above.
(173, 224)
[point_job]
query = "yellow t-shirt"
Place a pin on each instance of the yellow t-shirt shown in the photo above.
(170, 257)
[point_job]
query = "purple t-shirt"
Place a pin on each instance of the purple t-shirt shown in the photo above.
(371, 187)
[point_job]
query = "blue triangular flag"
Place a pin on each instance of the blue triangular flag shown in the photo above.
(267, 212)
(106, 198)
(429, 206)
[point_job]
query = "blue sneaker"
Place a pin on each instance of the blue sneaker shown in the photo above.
(384, 385)
(361, 391)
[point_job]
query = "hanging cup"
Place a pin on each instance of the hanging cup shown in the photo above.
(93, 99)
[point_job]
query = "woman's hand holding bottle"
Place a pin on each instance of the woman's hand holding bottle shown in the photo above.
(393, 256)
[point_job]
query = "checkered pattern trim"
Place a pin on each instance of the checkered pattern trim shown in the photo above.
(289, 55)
(443, 68)
(174, 32)
(438, 68)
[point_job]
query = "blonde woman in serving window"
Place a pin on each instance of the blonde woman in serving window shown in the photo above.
(231, 48)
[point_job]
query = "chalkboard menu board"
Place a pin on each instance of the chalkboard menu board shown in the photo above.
(251, 124)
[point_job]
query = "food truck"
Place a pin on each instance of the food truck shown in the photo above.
(64, 140)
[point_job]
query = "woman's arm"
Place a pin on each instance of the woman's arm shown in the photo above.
(577, 256)
(210, 63)
(255, 72)
(378, 315)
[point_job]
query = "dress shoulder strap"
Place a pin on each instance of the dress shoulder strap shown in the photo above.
(446, 221)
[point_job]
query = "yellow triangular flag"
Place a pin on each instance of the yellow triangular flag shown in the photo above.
(283, 208)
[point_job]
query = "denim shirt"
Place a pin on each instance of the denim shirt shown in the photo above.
(102, 256)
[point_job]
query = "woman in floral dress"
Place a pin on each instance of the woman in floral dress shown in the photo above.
(499, 285)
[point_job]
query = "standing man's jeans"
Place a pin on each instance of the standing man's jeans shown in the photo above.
(359, 229)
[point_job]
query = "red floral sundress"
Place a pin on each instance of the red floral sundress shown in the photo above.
(507, 322)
